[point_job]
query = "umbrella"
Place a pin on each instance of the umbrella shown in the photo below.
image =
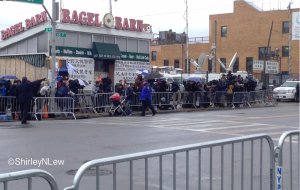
(71, 68)
(153, 75)
(195, 79)
(143, 72)
(9, 77)
(81, 82)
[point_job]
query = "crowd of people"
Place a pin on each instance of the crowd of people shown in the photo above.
(24, 91)
(140, 91)
(225, 88)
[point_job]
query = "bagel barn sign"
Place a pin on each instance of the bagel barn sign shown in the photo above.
(92, 19)
(18, 28)
(83, 18)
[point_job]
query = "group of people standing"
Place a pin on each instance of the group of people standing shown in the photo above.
(127, 90)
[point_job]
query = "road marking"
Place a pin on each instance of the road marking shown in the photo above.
(248, 118)
(261, 129)
(239, 126)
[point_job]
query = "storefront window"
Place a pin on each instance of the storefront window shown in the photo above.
(101, 66)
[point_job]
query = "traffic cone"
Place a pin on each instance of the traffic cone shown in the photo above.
(16, 116)
(45, 115)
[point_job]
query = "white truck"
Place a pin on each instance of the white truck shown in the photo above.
(287, 90)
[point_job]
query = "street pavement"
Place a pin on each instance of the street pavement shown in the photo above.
(77, 142)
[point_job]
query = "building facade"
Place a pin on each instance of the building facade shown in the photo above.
(245, 31)
(92, 45)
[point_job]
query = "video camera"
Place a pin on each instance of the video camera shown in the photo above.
(106, 81)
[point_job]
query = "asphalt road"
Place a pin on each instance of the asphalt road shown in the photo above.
(79, 141)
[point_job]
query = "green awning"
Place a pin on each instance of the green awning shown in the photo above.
(106, 51)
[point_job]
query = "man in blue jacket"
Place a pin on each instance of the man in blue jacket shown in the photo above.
(146, 98)
(128, 94)
(25, 95)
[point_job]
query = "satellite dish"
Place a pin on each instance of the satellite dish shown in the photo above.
(232, 61)
(194, 62)
(201, 60)
(230, 65)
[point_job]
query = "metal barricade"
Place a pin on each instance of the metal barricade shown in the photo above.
(101, 101)
(188, 99)
(162, 100)
(55, 105)
(29, 174)
(293, 181)
(270, 97)
(84, 103)
(240, 98)
(136, 100)
(201, 99)
(256, 97)
(8, 104)
(200, 166)
(222, 99)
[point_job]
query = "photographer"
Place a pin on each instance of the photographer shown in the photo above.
(64, 91)
(163, 97)
(238, 89)
(229, 89)
(229, 76)
(139, 83)
(177, 94)
(106, 84)
(297, 92)
(188, 93)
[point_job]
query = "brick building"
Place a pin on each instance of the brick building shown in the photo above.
(245, 31)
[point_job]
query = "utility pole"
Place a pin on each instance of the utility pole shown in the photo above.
(187, 41)
(181, 62)
(214, 51)
(290, 26)
(53, 65)
(266, 53)
(110, 7)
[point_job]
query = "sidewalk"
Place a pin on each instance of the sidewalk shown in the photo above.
(137, 113)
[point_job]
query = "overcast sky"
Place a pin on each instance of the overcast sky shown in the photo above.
(161, 14)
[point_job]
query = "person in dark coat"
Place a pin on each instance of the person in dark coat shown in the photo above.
(146, 98)
(297, 92)
(128, 94)
(13, 92)
(13, 88)
(24, 93)
(139, 83)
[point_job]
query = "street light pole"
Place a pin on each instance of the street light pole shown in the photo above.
(110, 7)
(53, 65)
(187, 39)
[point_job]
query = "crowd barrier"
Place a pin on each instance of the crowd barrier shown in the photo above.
(171, 154)
(88, 103)
(292, 171)
(84, 103)
(28, 174)
(162, 100)
(54, 105)
(235, 163)
(101, 101)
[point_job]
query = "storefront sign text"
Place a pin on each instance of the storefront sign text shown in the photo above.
(72, 51)
(92, 19)
(17, 28)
